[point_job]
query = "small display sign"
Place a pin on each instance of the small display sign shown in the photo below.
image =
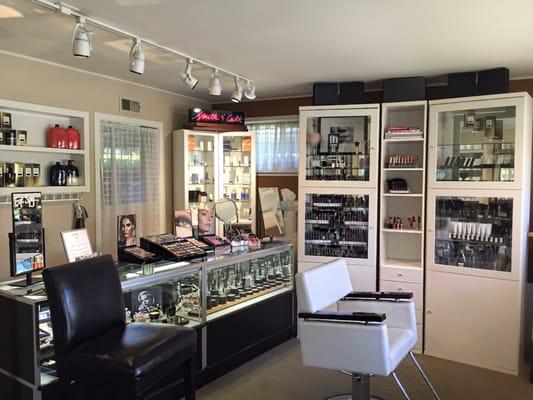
(216, 117)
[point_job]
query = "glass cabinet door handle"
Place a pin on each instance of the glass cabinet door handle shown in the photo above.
(429, 229)
(429, 311)
(400, 274)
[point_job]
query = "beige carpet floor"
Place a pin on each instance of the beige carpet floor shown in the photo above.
(279, 375)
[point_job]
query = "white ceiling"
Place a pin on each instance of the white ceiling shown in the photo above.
(285, 45)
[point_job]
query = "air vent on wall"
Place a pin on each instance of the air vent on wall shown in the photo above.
(130, 105)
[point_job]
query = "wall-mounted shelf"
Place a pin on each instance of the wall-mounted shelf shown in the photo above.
(36, 120)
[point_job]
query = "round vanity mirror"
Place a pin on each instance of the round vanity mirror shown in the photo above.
(226, 210)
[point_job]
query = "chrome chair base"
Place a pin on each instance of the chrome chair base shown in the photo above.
(361, 385)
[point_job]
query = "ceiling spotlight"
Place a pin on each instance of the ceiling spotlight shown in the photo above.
(249, 93)
(137, 57)
(215, 88)
(186, 76)
(236, 97)
(81, 39)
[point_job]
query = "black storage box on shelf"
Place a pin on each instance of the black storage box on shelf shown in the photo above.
(325, 93)
(351, 92)
(462, 84)
(493, 81)
(404, 89)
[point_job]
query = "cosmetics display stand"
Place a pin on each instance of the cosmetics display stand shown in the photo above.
(402, 203)
(337, 206)
(479, 166)
(241, 305)
(209, 166)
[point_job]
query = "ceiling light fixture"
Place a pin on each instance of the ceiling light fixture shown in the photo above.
(82, 47)
(215, 88)
(236, 97)
(137, 57)
(249, 93)
(81, 39)
(186, 75)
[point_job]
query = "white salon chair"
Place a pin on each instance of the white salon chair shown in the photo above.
(361, 333)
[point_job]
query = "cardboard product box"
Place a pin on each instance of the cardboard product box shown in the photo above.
(2, 136)
(36, 172)
(28, 174)
(5, 120)
(22, 138)
(19, 174)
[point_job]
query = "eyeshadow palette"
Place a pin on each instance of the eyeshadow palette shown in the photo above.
(135, 254)
(171, 247)
(183, 250)
(200, 245)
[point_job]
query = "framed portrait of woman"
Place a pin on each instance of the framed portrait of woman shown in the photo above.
(127, 230)
(206, 222)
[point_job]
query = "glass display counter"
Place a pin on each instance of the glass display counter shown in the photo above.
(194, 294)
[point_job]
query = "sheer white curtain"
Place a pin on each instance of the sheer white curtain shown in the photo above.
(276, 146)
(129, 179)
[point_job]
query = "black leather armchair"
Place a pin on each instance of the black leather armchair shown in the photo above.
(96, 348)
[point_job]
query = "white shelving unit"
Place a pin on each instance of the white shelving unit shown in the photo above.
(199, 166)
(401, 251)
(36, 119)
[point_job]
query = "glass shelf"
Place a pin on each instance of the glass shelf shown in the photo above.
(338, 148)
(336, 225)
(476, 145)
(474, 232)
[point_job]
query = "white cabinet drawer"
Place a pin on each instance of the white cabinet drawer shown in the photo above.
(415, 288)
(400, 274)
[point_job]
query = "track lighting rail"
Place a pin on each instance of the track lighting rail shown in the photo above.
(71, 11)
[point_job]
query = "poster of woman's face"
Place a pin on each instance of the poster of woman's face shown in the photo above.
(206, 221)
(127, 230)
(183, 223)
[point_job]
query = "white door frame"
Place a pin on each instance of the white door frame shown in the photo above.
(98, 118)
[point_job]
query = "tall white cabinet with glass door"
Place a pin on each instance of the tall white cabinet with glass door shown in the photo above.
(237, 181)
(479, 158)
(338, 175)
(402, 203)
(196, 170)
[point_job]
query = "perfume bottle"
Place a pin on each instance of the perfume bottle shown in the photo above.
(72, 174)
(58, 175)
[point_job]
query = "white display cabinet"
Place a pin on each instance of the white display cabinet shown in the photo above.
(238, 180)
(340, 144)
(479, 142)
(402, 202)
(36, 120)
(477, 223)
(476, 257)
(196, 170)
(339, 223)
(209, 166)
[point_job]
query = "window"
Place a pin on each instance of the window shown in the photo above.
(129, 178)
(276, 144)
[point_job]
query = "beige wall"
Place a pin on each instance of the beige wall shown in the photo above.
(35, 82)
